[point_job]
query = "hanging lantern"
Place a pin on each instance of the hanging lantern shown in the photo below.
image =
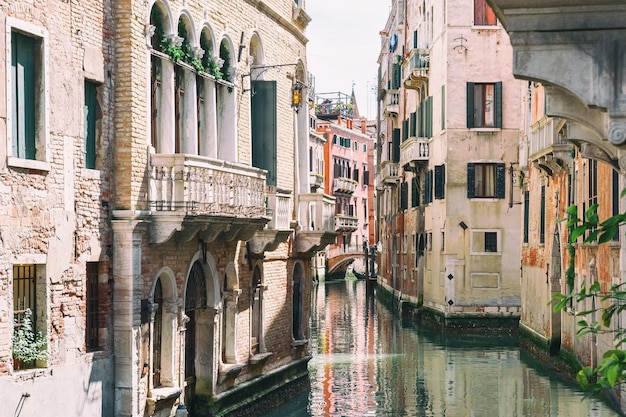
(296, 96)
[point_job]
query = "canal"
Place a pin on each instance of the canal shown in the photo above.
(367, 363)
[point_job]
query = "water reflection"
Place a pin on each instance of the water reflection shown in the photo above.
(365, 363)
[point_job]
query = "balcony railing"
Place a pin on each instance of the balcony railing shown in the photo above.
(333, 105)
(414, 149)
(317, 180)
(416, 68)
(279, 209)
(197, 185)
(389, 172)
(392, 102)
(344, 185)
(346, 223)
(317, 212)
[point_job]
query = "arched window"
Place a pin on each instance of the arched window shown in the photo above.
(157, 335)
(257, 344)
(195, 299)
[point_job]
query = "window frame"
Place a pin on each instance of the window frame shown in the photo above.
(42, 119)
(485, 14)
(472, 98)
(476, 248)
(499, 180)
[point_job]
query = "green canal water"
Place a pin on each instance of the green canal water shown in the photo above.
(367, 363)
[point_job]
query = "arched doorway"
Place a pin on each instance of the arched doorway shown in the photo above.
(195, 301)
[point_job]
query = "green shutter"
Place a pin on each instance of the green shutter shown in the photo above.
(429, 117)
(443, 107)
(404, 193)
(415, 198)
(90, 125)
(470, 105)
(23, 90)
(420, 122)
(415, 39)
(440, 181)
(395, 73)
(264, 128)
(498, 98)
(405, 130)
(470, 180)
(396, 145)
(413, 124)
(500, 178)
(526, 215)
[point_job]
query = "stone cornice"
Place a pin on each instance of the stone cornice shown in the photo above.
(262, 7)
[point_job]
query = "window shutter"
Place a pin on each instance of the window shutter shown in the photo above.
(404, 191)
(470, 180)
(396, 145)
(90, 125)
(526, 215)
(500, 186)
(429, 117)
(430, 186)
(420, 123)
(443, 107)
(498, 99)
(470, 105)
(415, 198)
(23, 83)
(395, 76)
(264, 128)
(413, 124)
(415, 39)
(440, 180)
(405, 129)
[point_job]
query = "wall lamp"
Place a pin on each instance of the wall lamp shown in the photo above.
(296, 96)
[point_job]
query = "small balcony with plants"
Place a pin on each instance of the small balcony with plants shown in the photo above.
(193, 195)
(415, 69)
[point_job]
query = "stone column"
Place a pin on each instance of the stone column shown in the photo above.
(190, 135)
(127, 234)
(167, 118)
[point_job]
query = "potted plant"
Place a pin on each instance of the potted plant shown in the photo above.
(28, 345)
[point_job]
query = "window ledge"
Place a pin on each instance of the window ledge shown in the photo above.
(91, 174)
(260, 358)
(485, 199)
(28, 164)
(485, 129)
(299, 342)
(486, 27)
(230, 369)
(165, 393)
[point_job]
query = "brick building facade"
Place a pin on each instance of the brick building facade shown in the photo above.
(154, 215)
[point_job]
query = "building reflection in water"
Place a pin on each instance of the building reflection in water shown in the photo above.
(366, 363)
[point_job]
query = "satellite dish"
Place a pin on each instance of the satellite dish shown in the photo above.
(393, 42)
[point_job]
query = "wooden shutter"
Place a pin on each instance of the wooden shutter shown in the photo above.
(415, 39)
(23, 100)
(90, 106)
(396, 145)
(470, 180)
(264, 128)
(405, 129)
(500, 178)
(415, 198)
(440, 180)
(498, 100)
(429, 117)
(404, 192)
(470, 105)
(413, 124)
(396, 75)
(526, 215)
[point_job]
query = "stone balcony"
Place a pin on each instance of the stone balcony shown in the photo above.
(549, 149)
(389, 173)
(317, 181)
(414, 150)
(278, 230)
(391, 103)
(193, 195)
(416, 67)
(344, 185)
(316, 215)
(345, 223)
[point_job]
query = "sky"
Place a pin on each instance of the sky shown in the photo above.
(343, 48)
